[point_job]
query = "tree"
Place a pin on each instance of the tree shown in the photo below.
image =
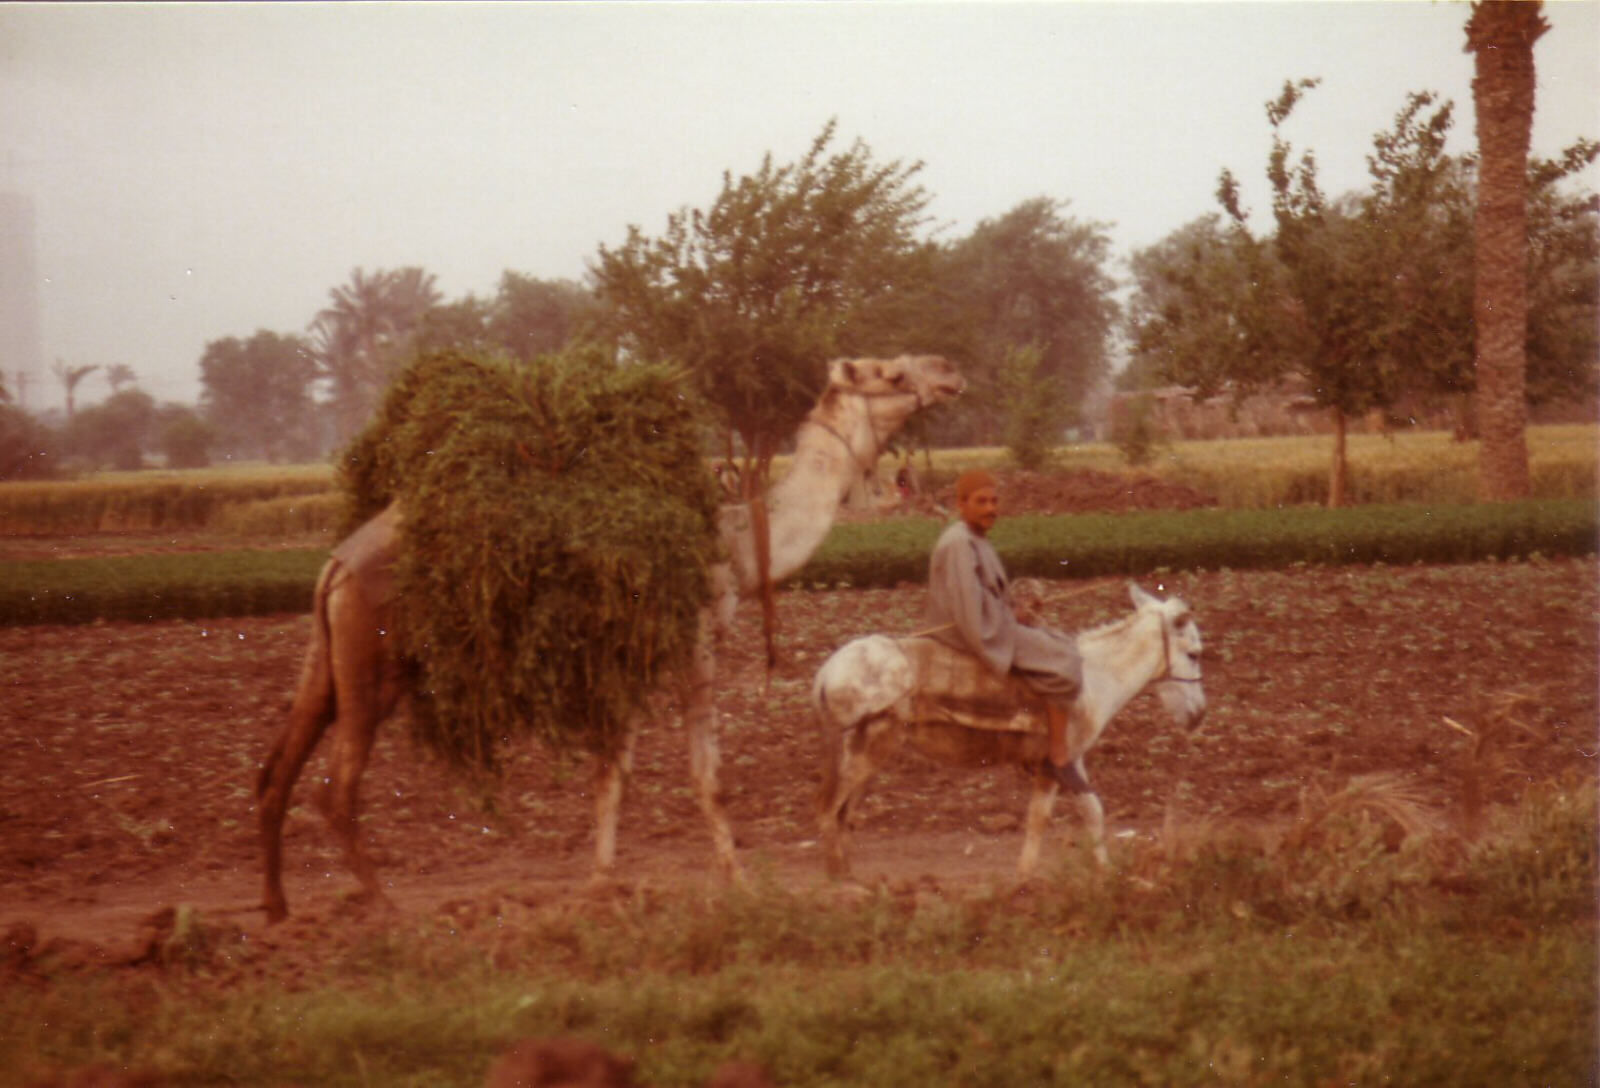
(1032, 278)
(531, 317)
(114, 433)
(1563, 360)
(1418, 222)
(119, 375)
(1245, 312)
(256, 394)
(69, 377)
(362, 338)
(185, 439)
(788, 268)
(1500, 35)
(1187, 315)
(27, 447)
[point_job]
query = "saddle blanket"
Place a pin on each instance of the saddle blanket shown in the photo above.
(955, 688)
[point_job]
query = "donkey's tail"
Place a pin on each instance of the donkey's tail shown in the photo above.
(314, 697)
(828, 740)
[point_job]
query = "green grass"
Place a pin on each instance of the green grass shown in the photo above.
(1091, 545)
(206, 584)
(153, 587)
(1233, 959)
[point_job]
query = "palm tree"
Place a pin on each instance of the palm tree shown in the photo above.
(70, 376)
(360, 338)
(1500, 35)
(119, 375)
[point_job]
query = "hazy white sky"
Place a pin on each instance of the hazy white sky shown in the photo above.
(208, 170)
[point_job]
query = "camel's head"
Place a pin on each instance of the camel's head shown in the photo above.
(923, 379)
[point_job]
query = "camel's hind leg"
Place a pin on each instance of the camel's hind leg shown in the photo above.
(366, 681)
(308, 719)
(610, 779)
(700, 716)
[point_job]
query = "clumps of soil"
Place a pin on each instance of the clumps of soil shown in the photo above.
(1083, 491)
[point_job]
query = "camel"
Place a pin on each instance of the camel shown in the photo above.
(352, 680)
(876, 693)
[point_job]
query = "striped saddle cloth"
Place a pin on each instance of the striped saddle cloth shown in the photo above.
(953, 687)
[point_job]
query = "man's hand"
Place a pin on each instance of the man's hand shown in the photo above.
(1027, 601)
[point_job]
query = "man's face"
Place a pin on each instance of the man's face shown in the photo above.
(980, 510)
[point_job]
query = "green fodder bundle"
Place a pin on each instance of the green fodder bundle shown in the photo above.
(558, 530)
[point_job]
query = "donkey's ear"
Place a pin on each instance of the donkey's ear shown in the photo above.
(1140, 597)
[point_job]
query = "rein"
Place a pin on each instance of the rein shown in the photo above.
(877, 439)
(1166, 676)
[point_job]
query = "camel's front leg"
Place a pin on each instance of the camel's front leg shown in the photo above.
(700, 715)
(610, 778)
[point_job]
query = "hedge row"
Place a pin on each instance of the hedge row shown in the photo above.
(141, 588)
(886, 553)
(137, 502)
(1091, 545)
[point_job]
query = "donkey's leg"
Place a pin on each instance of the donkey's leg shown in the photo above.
(1094, 816)
(1041, 803)
(610, 779)
(866, 749)
(700, 715)
(849, 776)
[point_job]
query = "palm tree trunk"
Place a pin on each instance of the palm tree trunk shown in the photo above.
(1500, 35)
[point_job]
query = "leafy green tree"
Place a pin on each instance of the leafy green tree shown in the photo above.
(789, 267)
(1034, 406)
(363, 337)
(114, 433)
(1203, 299)
(257, 395)
(1333, 293)
(531, 317)
(462, 325)
(28, 449)
(1032, 278)
(1563, 348)
(184, 439)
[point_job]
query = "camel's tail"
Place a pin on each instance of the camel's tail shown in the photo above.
(314, 697)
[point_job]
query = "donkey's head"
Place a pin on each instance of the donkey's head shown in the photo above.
(1177, 680)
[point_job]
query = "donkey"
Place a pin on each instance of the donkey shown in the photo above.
(876, 693)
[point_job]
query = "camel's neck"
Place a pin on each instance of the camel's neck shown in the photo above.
(1119, 660)
(832, 450)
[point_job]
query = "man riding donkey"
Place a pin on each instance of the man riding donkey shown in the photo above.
(970, 601)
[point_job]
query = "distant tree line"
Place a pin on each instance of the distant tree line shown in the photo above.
(1367, 296)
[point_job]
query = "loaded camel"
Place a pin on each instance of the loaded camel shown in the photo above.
(876, 693)
(351, 680)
